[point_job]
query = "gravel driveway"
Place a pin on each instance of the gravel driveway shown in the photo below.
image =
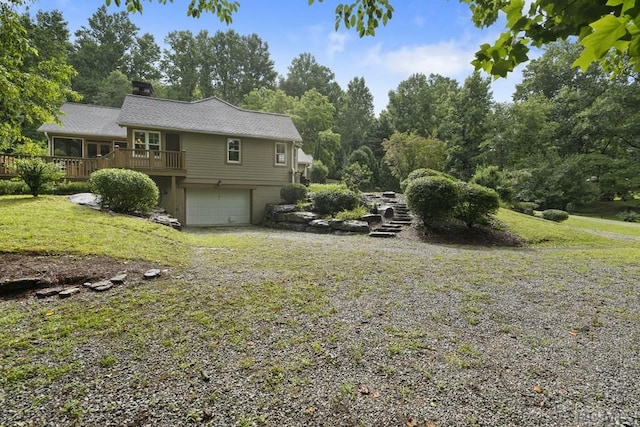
(293, 329)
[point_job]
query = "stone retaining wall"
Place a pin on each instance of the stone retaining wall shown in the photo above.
(290, 217)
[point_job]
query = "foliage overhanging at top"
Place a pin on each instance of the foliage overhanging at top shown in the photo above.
(608, 30)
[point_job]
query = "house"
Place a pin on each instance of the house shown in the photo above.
(305, 161)
(214, 163)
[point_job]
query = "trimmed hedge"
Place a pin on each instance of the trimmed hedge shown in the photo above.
(124, 190)
(475, 202)
(421, 173)
(556, 215)
(13, 187)
(432, 198)
(293, 192)
(72, 187)
(333, 200)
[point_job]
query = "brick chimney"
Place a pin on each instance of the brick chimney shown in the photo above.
(142, 88)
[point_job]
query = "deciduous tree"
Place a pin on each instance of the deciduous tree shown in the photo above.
(32, 88)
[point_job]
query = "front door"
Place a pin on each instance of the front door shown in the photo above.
(172, 147)
(95, 149)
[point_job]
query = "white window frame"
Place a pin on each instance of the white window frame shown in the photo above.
(281, 157)
(145, 145)
(231, 150)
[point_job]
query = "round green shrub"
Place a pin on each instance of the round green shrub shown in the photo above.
(556, 215)
(293, 192)
(319, 172)
(421, 173)
(524, 207)
(124, 190)
(333, 200)
(475, 202)
(432, 198)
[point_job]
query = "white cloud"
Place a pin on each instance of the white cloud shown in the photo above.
(336, 43)
(419, 21)
(448, 58)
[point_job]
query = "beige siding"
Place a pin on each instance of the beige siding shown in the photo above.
(261, 196)
(206, 161)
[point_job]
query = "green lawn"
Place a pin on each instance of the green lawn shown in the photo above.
(267, 324)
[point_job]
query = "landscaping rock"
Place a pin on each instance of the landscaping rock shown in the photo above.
(167, 220)
(271, 209)
(350, 225)
(300, 217)
(87, 199)
(386, 234)
(372, 218)
(319, 223)
(387, 211)
(49, 292)
(119, 279)
(151, 274)
(105, 287)
(99, 284)
(66, 293)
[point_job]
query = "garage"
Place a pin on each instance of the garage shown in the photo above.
(218, 207)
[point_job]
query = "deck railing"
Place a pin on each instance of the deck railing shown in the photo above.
(147, 161)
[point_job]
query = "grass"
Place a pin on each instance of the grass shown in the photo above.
(334, 303)
(51, 225)
(537, 231)
(608, 209)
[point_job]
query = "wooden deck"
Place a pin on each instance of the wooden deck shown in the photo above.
(151, 162)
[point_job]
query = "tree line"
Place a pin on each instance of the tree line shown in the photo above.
(569, 135)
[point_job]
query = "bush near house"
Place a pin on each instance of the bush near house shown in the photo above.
(124, 190)
(13, 187)
(334, 199)
(319, 172)
(37, 174)
(293, 192)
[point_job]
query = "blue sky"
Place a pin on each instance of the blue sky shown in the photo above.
(434, 36)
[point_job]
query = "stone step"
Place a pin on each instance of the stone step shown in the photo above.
(396, 226)
(383, 234)
(389, 230)
(403, 217)
(407, 222)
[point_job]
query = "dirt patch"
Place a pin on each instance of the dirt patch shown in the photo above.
(66, 270)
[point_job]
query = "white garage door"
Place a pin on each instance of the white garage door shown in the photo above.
(218, 207)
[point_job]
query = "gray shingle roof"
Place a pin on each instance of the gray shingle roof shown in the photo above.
(87, 120)
(210, 115)
(304, 158)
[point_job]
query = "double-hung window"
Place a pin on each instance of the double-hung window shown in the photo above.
(281, 154)
(233, 151)
(145, 141)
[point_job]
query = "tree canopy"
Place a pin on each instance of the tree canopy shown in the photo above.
(33, 88)
(609, 31)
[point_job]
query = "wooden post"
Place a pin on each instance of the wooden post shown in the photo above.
(174, 196)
